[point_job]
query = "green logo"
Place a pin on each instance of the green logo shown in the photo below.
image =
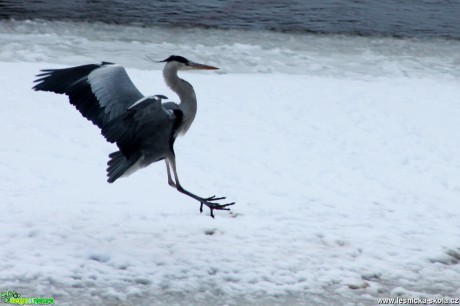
(12, 297)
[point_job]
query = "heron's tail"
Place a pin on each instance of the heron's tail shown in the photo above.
(118, 165)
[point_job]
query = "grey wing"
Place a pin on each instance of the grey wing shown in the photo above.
(101, 92)
(147, 128)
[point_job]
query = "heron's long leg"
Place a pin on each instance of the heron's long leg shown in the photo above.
(170, 180)
(203, 201)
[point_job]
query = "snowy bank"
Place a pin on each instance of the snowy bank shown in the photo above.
(347, 189)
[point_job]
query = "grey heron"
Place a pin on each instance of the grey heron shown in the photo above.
(143, 128)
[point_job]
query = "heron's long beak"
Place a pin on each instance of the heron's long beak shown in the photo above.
(196, 66)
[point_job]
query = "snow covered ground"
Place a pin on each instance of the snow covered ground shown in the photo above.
(347, 189)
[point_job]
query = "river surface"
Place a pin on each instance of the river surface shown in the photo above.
(409, 18)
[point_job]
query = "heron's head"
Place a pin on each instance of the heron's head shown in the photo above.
(184, 64)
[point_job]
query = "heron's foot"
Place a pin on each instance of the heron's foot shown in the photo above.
(213, 205)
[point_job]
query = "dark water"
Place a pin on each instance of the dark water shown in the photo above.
(406, 18)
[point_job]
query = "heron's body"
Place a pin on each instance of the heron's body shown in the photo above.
(143, 128)
(144, 133)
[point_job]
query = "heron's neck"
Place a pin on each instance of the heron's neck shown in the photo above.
(188, 103)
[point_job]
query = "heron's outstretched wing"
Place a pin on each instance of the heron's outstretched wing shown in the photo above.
(101, 92)
(147, 127)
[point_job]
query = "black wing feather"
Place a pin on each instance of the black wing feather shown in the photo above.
(101, 92)
(122, 131)
(74, 83)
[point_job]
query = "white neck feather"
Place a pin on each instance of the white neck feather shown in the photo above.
(188, 103)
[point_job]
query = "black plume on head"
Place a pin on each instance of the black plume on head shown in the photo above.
(176, 58)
